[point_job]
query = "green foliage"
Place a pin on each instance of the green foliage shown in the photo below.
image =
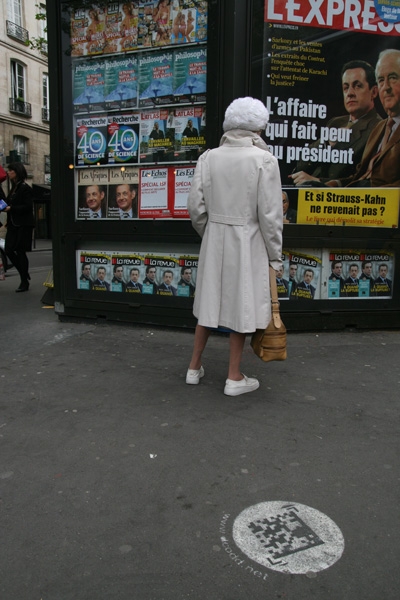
(39, 43)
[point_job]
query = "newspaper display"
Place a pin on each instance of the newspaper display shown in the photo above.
(156, 137)
(138, 94)
(183, 176)
(153, 193)
(190, 75)
(327, 113)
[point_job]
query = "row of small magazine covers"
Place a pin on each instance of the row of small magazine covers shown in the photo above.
(140, 80)
(154, 136)
(305, 274)
(131, 193)
(114, 27)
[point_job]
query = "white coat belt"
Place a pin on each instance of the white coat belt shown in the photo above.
(226, 219)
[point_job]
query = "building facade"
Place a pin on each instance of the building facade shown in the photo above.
(24, 101)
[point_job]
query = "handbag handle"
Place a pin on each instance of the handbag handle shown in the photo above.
(276, 317)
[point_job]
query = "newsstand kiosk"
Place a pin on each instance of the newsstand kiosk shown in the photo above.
(138, 92)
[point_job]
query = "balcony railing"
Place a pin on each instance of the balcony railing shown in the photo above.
(17, 32)
(45, 114)
(20, 107)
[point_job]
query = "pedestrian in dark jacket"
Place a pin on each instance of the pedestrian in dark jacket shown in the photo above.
(20, 223)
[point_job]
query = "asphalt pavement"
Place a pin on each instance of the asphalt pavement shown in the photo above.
(120, 482)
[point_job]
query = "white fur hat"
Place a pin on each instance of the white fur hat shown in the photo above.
(246, 113)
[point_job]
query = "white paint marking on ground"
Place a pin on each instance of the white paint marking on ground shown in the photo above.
(288, 537)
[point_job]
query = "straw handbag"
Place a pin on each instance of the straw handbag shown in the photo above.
(270, 343)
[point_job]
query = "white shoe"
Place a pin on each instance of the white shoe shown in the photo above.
(193, 376)
(235, 388)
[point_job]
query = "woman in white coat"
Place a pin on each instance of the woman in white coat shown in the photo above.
(235, 205)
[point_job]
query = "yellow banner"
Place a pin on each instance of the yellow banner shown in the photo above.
(355, 207)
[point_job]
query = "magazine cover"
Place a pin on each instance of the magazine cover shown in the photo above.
(153, 193)
(189, 22)
(91, 141)
(156, 137)
(189, 133)
(112, 29)
(129, 26)
(123, 138)
(328, 110)
(186, 287)
(146, 24)
(300, 276)
(88, 85)
(190, 75)
(183, 176)
(93, 271)
(92, 197)
(78, 23)
(161, 275)
(121, 82)
(123, 193)
(95, 30)
(355, 274)
(171, 22)
(156, 79)
(126, 272)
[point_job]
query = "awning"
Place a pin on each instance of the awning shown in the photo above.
(41, 192)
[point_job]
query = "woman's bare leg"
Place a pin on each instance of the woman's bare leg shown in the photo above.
(201, 336)
(236, 344)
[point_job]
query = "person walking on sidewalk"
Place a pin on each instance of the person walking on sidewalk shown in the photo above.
(20, 223)
(235, 204)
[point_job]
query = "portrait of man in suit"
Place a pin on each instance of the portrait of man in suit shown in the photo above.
(282, 285)
(289, 214)
(166, 288)
(85, 279)
(304, 289)
(133, 284)
(383, 285)
(100, 284)
(126, 200)
(360, 90)
(380, 163)
(95, 197)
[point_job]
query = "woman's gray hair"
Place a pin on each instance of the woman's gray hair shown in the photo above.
(246, 113)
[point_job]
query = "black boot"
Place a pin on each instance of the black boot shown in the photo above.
(23, 286)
